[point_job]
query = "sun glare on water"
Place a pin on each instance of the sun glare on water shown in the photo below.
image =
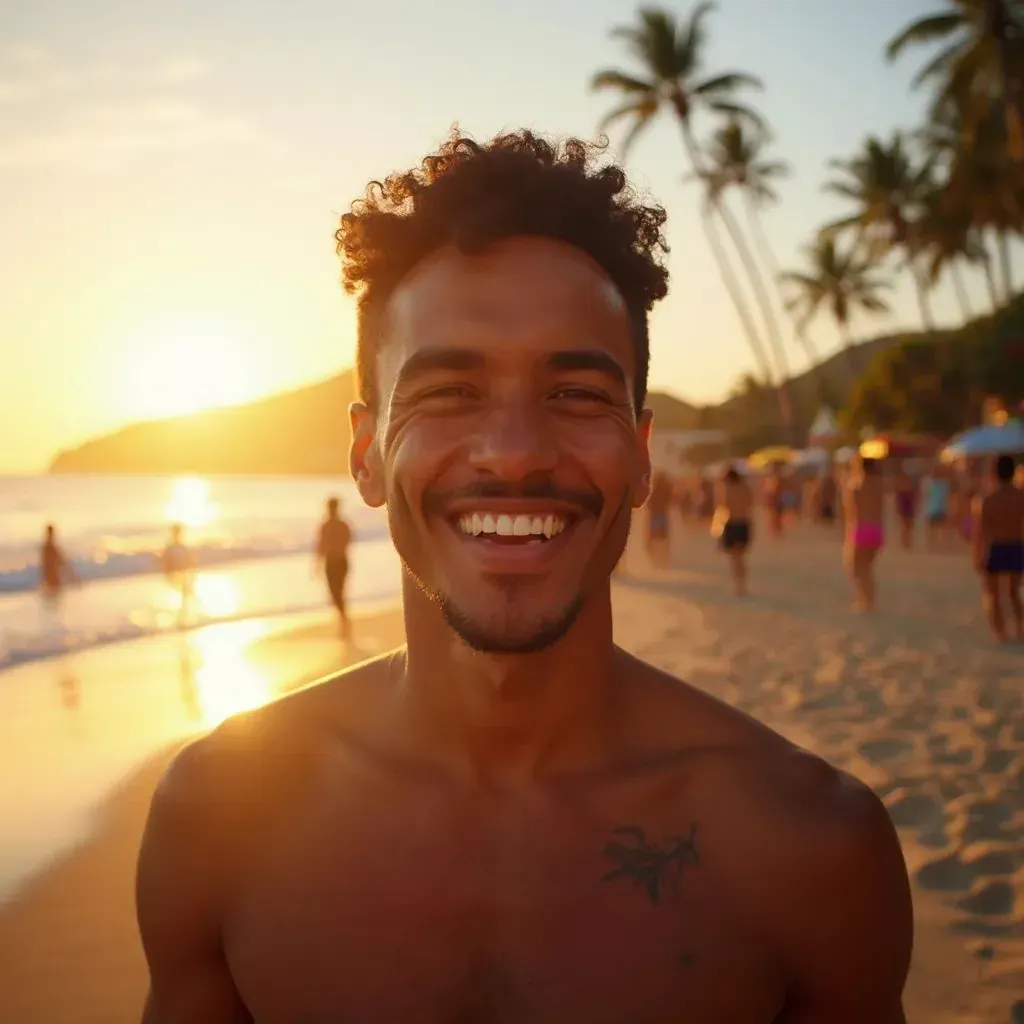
(190, 503)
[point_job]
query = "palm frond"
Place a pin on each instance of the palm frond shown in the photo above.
(925, 30)
(728, 82)
(740, 112)
(612, 79)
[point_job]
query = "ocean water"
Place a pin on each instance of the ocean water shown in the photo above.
(252, 540)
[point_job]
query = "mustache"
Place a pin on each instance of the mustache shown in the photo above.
(588, 502)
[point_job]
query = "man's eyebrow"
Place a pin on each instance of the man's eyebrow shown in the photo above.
(593, 360)
(433, 360)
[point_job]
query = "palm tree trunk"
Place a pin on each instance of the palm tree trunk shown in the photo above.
(735, 291)
(786, 410)
(921, 287)
(1005, 264)
(768, 314)
(961, 291)
(767, 254)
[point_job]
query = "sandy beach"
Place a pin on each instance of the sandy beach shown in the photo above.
(914, 699)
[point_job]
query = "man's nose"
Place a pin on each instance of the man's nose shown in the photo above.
(513, 442)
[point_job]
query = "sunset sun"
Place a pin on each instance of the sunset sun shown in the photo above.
(185, 371)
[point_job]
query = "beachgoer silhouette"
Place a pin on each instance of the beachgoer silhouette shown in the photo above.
(178, 566)
(332, 554)
(55, 569)
(999, 547)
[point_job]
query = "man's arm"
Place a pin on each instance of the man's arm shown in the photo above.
(847, 938)
(180, 895)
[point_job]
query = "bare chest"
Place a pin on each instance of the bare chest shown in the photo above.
(442, 922)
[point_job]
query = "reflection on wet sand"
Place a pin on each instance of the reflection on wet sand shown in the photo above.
(219, 676)
(125, 703)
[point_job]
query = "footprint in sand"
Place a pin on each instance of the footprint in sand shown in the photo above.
(947, 874)
(997, 760)
(915, 810)
(883, 750)
(988, 861)
(990, 899)
(984, 820)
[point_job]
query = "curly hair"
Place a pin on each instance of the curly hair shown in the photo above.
(471, 196)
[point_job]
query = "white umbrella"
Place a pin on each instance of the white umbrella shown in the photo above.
(824, 429)
(1004, 439)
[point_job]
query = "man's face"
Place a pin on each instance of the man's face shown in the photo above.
(505, 445)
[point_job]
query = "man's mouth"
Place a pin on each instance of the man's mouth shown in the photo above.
(507, 528)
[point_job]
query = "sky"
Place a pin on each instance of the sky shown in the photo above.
(171, 175)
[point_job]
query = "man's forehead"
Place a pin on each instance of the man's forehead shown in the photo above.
(524, 276)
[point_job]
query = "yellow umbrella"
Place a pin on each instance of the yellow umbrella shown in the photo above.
(766, 456)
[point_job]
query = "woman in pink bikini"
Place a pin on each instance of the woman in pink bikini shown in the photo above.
(864, 503)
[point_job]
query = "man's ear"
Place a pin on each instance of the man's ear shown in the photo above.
(364, 459)
(642, 484)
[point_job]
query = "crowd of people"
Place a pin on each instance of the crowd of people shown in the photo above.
(975, 506)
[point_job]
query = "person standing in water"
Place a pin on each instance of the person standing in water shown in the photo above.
(332, 553)
(178, 569)
(999, 547)
(733, 524)
(864, 501)
(55, 569)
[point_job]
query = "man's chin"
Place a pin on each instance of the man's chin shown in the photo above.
(509, 632)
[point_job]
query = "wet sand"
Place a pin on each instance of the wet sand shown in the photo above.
(915, 700)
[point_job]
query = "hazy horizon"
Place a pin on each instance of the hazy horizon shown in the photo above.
(174, 178)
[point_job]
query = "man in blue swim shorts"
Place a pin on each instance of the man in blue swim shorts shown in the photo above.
(999, 547)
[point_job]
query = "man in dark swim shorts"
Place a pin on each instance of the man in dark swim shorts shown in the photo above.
(332, 551)
(732, 524)
(999, 547)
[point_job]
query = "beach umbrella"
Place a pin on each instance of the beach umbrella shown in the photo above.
(824, 430)
(770, 455)
(1003, 439)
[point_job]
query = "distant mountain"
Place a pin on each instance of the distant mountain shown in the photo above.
(297, 432)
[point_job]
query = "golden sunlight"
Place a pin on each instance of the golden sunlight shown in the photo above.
(226, 681)
(184, 371)
(190, 502)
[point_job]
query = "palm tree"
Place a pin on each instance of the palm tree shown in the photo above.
(945, 238)
(735, 158)
(981, 182)
(889, 189)
(842, 282)
(670, 54)
(981, 64)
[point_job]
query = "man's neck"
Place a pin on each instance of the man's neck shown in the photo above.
(507, 718)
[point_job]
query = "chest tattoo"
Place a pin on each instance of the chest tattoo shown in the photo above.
(646, 863)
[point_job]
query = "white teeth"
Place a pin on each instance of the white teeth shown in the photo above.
(477, 523)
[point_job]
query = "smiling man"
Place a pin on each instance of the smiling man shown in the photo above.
(512, 819)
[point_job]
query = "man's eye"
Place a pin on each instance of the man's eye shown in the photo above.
(579, 395)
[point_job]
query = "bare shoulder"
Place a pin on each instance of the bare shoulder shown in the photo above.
(255, 761)
(827, 890)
